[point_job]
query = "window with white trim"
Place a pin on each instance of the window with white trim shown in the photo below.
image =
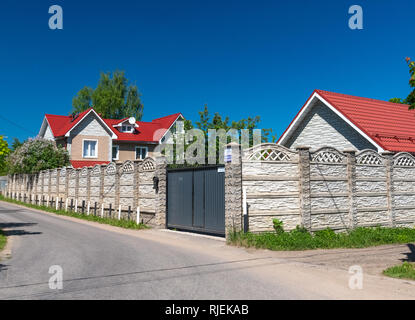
(115, 152)
(141, 153)
(90, 149)
(125, 128)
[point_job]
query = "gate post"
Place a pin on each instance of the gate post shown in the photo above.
(161, 198)
(233, 190)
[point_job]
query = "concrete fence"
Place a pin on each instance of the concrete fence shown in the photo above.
(326, 188)
(319, 189)
(119, 191)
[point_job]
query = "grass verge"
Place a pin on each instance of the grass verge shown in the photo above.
(3, 240)
(404, 271)
(300, 239)
(128, 224)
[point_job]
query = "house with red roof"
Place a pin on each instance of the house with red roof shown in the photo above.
(91, 139)
(348, 122)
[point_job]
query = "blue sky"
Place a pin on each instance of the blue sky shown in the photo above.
(242, 58)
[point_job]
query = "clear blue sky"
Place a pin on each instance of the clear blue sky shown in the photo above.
(242, 58)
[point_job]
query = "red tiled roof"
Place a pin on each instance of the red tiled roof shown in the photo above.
(86, 163)
(146, 131)
(390, 125)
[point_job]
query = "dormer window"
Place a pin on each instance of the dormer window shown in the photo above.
(125, 128)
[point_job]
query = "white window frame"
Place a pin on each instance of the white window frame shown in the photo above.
(96, 148)
(118, 152)
(141, 147)
(128, 128)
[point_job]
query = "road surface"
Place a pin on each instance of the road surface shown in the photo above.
(105, 262)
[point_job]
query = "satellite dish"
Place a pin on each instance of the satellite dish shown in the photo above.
(131, 120)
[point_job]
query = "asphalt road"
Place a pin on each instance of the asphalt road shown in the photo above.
(104, 262)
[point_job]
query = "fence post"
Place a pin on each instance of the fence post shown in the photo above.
(233, 190)
(161, 174)
(389, 185)
(351, 182)
(305, 199)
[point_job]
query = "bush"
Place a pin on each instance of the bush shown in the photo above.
(35, 155)
(278, 226)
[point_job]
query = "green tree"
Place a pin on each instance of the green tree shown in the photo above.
(16, 143)
(35, 155)
(4, 152)
(207, 122)
(113, 98)
(410, 99)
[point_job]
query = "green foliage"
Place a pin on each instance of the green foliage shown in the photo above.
(122, 223)
(3, 240)
(300, 239)
(16, 143)
(404, 271)
(4, 152)
(217, 122)
(278, 226)
(113, 98)
(410, 99)
(35, 155)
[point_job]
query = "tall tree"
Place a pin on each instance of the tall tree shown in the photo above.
(410, 99)
(114, 97)
(4, 152)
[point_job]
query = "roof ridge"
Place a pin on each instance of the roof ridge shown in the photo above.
(358, 97)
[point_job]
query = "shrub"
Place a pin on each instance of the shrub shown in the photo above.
(35, 155)
(278, 226)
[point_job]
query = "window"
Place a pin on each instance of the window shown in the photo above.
(90, 149)
(126, 129)
(115, 150)
(141, 153)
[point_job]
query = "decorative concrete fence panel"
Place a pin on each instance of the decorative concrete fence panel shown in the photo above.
(270, 182)
(83, 187)
(127, 189)
(329, 198)
(110, 189)
(54, 184)
(62, 181)
(96, 179)
(403, 189)
(146, 191)
(370, 196)
(72, 184)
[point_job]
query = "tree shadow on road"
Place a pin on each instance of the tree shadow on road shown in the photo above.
(410, 256)
(14, 228)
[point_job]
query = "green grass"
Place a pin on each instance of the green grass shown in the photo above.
(128, 224)
(300, 239)
(404, 271)
(3, 240)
